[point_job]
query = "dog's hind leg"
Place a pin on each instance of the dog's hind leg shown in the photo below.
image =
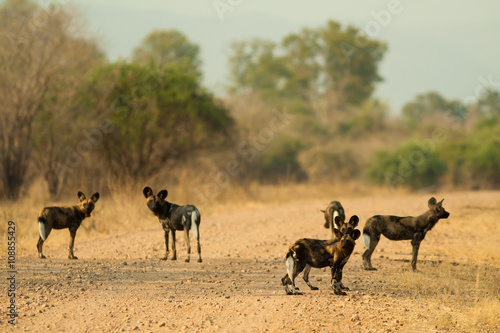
(292, 271)
(285, 281)
(39, 246)
(370, 240)
(186, 236)
(188, 244)
(44, 232)
(305, 276)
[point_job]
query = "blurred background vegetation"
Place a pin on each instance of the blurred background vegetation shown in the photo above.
(301, 110)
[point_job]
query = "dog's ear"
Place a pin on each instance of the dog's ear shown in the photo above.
(339, 221)
(322, 211)
(162, 194)
(147, 191)
(440, 203)
(354, 220)
(338, 233)
(355, 234)
(95, 197)
(432, 202)
(81, 196)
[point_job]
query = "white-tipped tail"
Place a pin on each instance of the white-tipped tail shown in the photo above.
(194, 225)
(41, 230)
(366, 240)
(335, 214)
(290, 267)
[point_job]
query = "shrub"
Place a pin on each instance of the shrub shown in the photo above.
(411, 164)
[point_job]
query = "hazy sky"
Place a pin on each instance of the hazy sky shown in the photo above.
(441, 45)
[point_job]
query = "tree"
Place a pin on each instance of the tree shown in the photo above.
(154, 118)
(489, 103)
(61, 116)
(40, 58)
(433, 107)
(351, 64)
(324, 65)
(255, 68)
(171, 47)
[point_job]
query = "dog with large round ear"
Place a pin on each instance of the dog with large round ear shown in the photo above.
(95, 197)
(339, 221)
(162, 194)
(174, 217)
(356, 233)
(354, 220)
(432, 202)
(147, 191)
(81, 196)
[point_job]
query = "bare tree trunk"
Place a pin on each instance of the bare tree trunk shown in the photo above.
(40, 61)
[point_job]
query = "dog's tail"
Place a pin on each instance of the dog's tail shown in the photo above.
(41, 228)
(292, 252)
(366, 237)
(195, 223)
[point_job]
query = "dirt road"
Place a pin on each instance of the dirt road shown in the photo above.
(119, 283)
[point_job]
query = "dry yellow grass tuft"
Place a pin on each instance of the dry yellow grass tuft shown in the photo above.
(487, 311)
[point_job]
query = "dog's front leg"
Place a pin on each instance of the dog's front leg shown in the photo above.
(337, 280)
(415, 243)
(72, 235)
(174, 252)
(166, 230)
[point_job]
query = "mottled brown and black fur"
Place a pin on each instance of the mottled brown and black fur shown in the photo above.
(174, 217)
(62, 218)
(401, 228)
(306, 253)
(333, 210)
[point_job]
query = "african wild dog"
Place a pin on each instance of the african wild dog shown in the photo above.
(62, 218)
(401, 228)
(333, 210)
(306, 253)
(173, 217)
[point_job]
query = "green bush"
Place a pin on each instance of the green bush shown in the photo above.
(280, 162)
(412, 164)
(483, 153)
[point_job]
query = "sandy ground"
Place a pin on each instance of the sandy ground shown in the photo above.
(119, 283)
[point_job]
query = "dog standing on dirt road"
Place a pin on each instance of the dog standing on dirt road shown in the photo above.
(306, 253)
(333, 210)
(62, 218)
(401, 228)
(174, 217)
